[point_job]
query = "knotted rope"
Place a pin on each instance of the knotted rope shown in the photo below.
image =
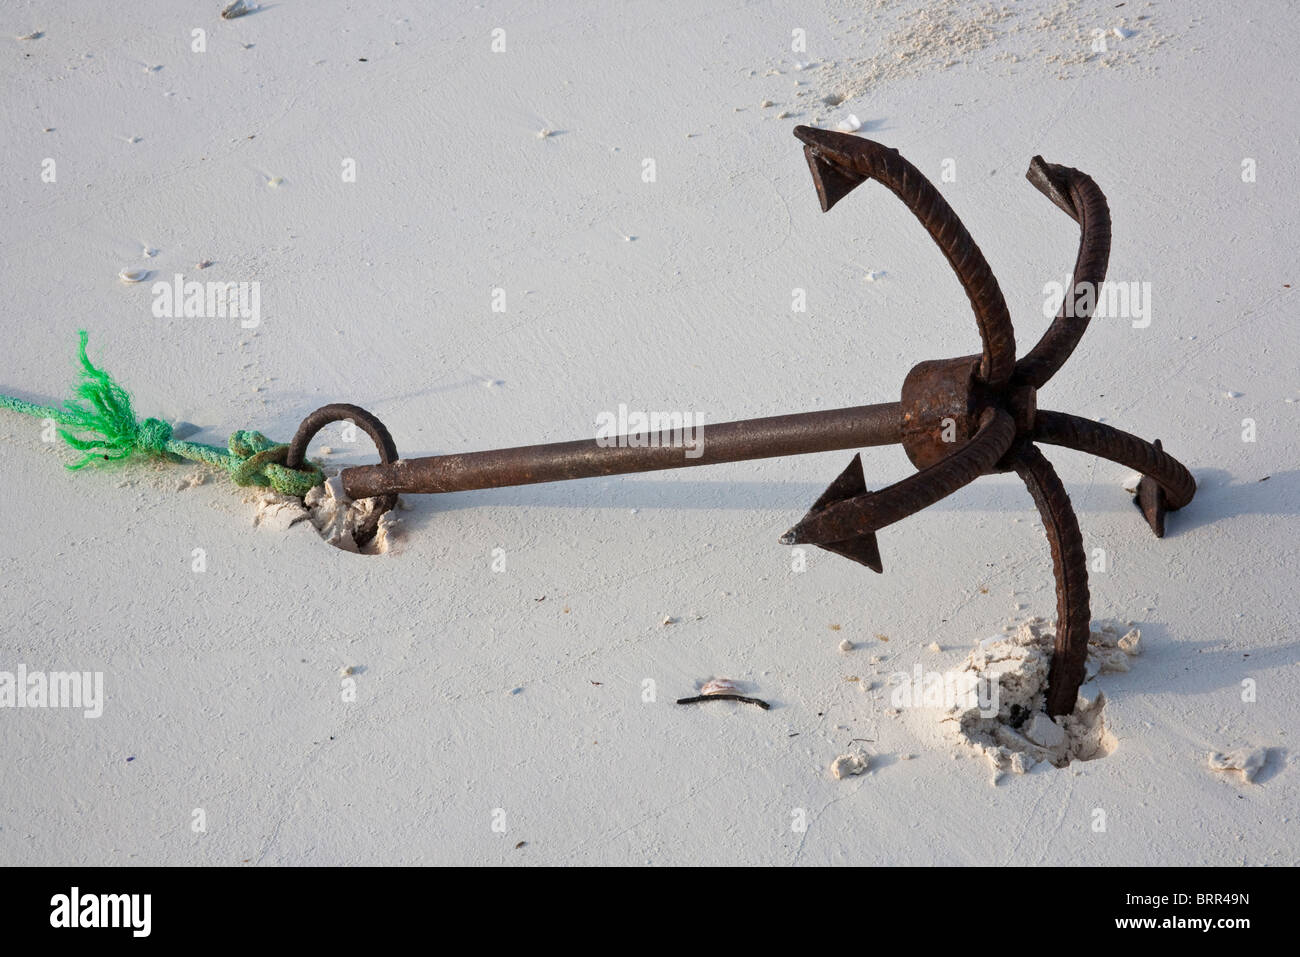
(101, 410)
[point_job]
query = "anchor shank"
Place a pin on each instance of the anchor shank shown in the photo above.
(826, 431)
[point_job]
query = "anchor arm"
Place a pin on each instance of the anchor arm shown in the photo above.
(1166, 484)
(869, 512)
(1083, 201)
(839, 162)
(1096, 438)
(1070, 567)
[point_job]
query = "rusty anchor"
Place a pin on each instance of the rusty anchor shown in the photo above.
(957, 418)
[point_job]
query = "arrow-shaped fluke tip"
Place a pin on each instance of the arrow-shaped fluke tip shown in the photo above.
(1150, 500)
(863, 549)
(831, 167)
(830, 140)
(1050, 180)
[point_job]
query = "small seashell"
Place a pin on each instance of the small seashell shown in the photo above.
(134, 275)
(850, 124)
(237, 9)
(34, 35)
(203, 264)
(720, 686)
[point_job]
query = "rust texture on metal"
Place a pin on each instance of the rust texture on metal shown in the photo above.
(938, 411)
(338, 412)
(1158, 468)
(868, 512)
(839, 162)
(859, 427)
(1070, 567)
(1082, 201)
(942, 400)
(958, 419)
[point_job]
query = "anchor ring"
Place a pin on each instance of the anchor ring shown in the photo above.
(379, 434)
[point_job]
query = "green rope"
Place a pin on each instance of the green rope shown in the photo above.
(102, 408)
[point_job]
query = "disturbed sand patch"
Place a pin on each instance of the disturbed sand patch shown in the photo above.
(1246, 763)
(1062, 40)
(335, 516)
(1020, 735)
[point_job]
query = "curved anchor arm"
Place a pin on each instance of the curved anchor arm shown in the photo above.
(1083, 201)
(839, 162)
(869, 512)
(1085, 435)
(1071, 571)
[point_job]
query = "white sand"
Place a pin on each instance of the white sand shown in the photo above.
(509, 667)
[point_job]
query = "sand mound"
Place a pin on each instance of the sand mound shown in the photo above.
(1013, 732)
(331, 512)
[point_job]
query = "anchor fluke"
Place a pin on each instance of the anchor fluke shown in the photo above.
(863, 549)
(832, 173)
(1150, 500)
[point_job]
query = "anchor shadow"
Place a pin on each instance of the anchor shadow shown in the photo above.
(1220, 495)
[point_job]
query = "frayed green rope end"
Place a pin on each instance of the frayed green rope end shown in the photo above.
(101, 410)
